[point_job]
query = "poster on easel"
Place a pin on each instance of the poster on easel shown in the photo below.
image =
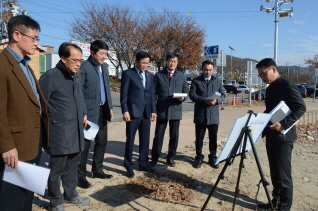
(256, 124)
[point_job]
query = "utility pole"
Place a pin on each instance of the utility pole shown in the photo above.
(280, 13)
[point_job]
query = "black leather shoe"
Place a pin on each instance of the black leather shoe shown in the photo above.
(212, 161)
(130, 173)
(153, 164)
(83, 183)
(101, 175)
(275, 203)
(198, 163)
(171, 162)
(146, 168)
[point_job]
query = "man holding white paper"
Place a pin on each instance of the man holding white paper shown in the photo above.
(168, 83)
(206, 92)
(278, 145)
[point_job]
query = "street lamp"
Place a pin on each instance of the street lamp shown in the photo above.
(281, 13)
(232, 49)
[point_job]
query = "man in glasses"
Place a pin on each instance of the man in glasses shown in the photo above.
(61, 87)
(24, 120)
(279, 146)
(98, 103)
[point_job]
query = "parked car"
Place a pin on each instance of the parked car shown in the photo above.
(246, 89)
(232, 89)
(255, 95)
(311, 92)
(302, 90)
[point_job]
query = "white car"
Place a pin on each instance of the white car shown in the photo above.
(246, 89)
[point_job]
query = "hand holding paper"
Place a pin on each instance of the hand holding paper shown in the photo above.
(215, 96)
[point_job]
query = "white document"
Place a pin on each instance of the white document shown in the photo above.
(28, 176)
(90, 131)
(215, 96)
(177, 95)
(279, 113)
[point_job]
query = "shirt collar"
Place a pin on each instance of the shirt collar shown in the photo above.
(138, 71)
(24, 60)
(207, 78)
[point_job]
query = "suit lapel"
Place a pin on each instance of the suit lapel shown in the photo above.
(203, 83)
(18, 72)
(135, 73)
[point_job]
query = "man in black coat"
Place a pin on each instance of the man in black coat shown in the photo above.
(206, 111)
(98, 104)
(279, 146)
(138, 105)
(167, 82)
(62, 89)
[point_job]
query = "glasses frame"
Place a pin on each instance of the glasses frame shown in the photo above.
(261, 75)
(75, 60)
(33, 39)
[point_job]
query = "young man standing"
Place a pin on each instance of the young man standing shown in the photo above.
(98, 104)
(206, 111)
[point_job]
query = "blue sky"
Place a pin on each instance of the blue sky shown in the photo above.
(235, 23)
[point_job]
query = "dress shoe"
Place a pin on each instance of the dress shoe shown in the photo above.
(83, 183)
(153, 164)
(101, 175)
(130, 173)
(146, 168)
(275, 203)
(212, 162)
(198, 163)
(171, 162)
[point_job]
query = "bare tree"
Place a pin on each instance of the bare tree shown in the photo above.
(313, 62)
(127, 32)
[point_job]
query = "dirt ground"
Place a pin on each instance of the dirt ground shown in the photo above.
(186, 188)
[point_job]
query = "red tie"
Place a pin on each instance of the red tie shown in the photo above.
(170, 75)
(207, 81)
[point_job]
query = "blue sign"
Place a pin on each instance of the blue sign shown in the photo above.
(211, 50)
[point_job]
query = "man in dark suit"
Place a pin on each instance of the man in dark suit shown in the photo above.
(62, 89)
(167, 82)
(138, 105)
(98, 104)
(206, 111)
(23, 110)
(279, 146)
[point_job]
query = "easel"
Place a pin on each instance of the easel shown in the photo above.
(245, 132)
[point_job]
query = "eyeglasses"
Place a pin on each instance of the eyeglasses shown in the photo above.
(75, 60)
(263, 73)
(33, 39)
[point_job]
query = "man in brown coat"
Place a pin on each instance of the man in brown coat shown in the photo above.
(23, 110)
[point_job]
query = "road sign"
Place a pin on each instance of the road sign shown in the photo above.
(211, 52)
(284, 14)
(219, 60)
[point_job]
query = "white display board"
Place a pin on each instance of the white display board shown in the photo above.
(256, 125)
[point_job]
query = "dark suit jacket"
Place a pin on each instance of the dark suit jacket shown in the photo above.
(167, 107)
(19, 111)
(133, 97)
(199, 91)
(91, 89)
(65, 107)
(285, 90)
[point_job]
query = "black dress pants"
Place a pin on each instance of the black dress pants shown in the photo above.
(99, 148)
(142, 124)
(279, 157)
(161, 126)
(15, 198)
(199, 136)
(63, 168)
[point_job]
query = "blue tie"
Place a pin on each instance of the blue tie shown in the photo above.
(102, 87)
(141, 74)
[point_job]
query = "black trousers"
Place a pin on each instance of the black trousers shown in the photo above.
(161, 126)
(279, 157)
(15, 198)
(142, 124)
(63, 168)
(99, 148)
(199, 136)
